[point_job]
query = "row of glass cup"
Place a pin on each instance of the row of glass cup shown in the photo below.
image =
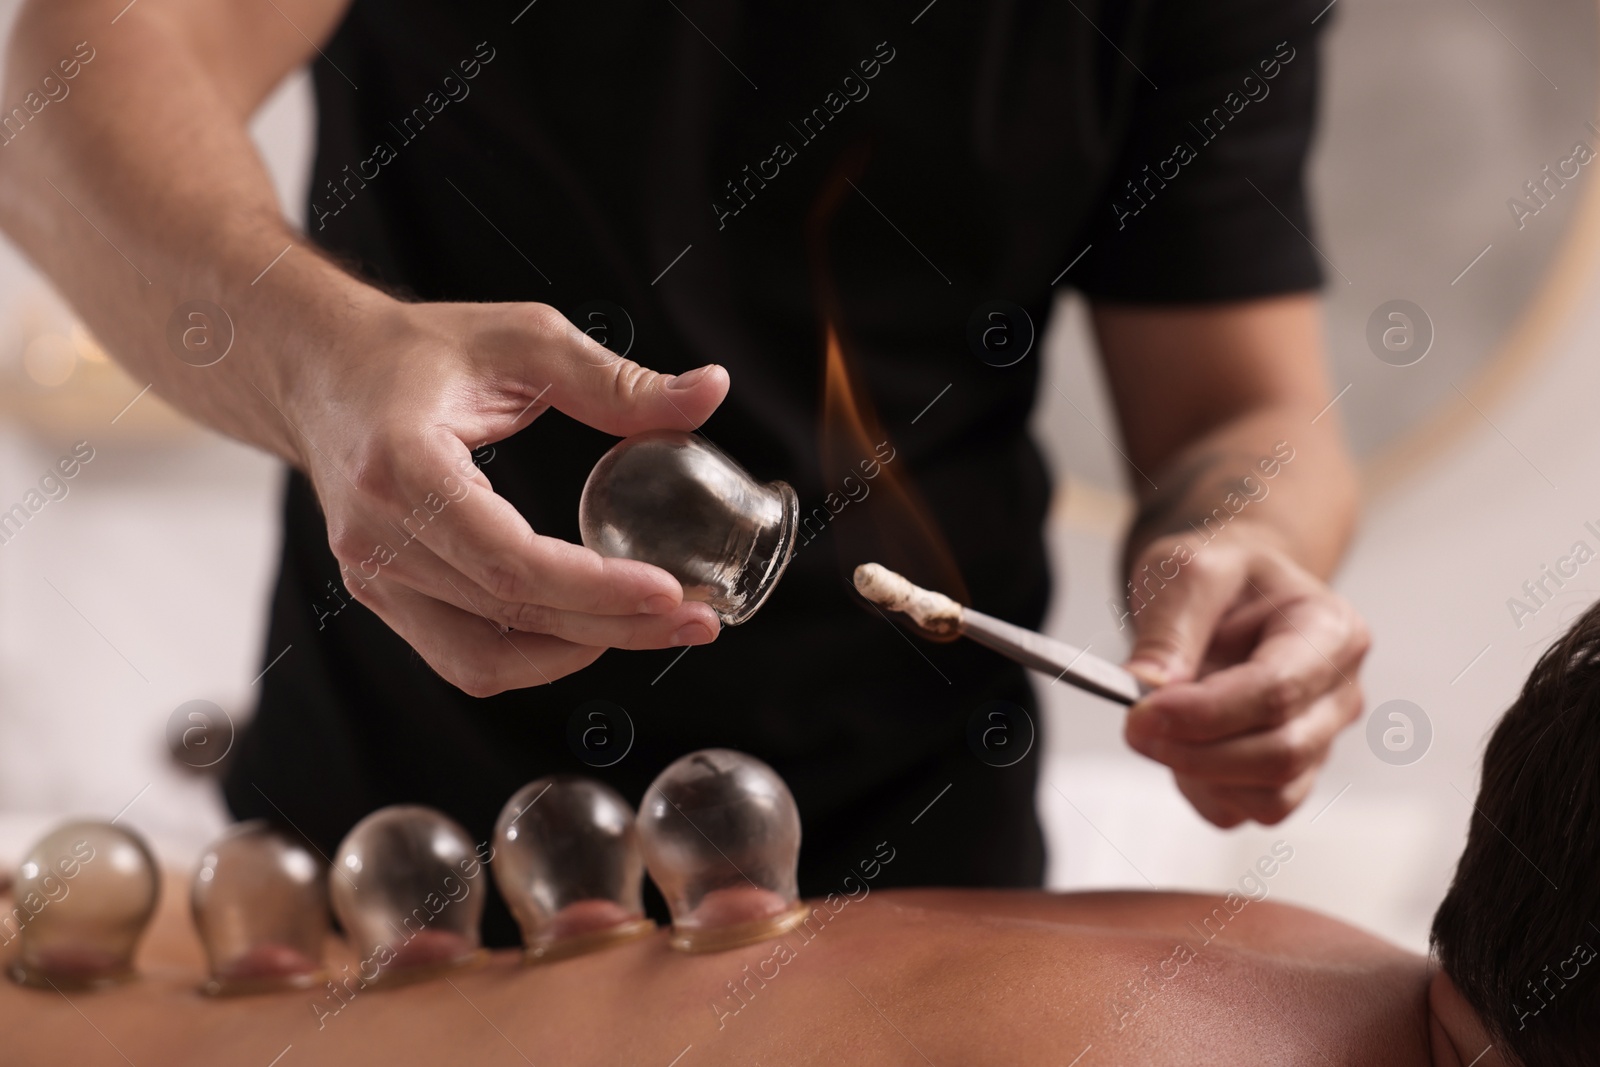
(718, 831)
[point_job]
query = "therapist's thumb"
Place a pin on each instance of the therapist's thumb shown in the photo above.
(616, 395)
(1174, 620)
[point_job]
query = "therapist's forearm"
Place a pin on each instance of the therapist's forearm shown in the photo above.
(1206, 394)
(1266, 474)
(140, 190)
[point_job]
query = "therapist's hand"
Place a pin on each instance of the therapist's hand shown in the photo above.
(1256, 659)
(1233, 446)
(379, 402)
(387, 428)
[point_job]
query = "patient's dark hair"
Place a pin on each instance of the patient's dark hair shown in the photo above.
(1519, 931)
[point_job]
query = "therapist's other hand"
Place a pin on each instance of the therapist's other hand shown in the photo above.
(388, 423)
(1257, 661)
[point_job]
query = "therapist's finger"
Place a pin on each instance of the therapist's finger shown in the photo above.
(1175, 623)
(469, 651)
(1306, 648)
(546, 355)
(623, 398)
(480, 534)
(689, 623)
(1228, 806)
(1268, 758)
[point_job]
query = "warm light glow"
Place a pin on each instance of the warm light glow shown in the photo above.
(50, 359)
(88, 348)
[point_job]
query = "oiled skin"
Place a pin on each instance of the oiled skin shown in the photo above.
(902, 977)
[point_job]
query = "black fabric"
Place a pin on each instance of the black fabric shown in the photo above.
(592, 146)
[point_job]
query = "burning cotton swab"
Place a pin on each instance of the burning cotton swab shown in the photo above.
(938, 615)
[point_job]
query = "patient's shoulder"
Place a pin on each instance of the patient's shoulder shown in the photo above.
(1147, 978)
(1264, 925)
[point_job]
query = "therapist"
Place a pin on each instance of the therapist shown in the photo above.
(485, 173)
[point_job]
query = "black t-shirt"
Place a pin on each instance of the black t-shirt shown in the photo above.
(726, 173)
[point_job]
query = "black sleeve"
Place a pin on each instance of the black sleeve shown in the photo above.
(1208, 200)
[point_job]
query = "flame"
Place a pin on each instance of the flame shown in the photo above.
(881, 517)
(873, 510)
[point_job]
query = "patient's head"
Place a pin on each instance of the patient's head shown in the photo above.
(1519, 932)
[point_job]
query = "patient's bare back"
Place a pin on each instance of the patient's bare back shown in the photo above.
(877, 977)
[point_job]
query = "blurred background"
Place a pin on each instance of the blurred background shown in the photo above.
(145, 586)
